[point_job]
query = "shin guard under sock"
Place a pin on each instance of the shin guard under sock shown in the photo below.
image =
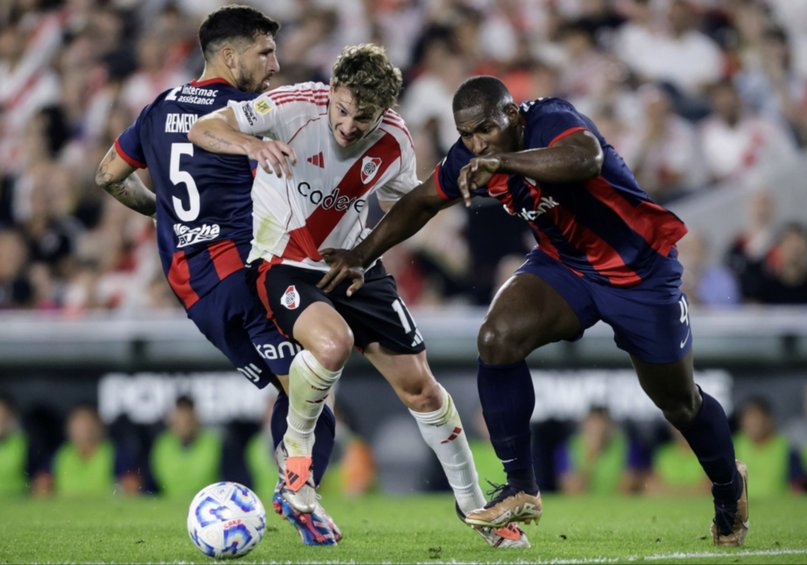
(710, 438)
(508, 399)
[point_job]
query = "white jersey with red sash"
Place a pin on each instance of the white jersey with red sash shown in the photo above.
(325, 201)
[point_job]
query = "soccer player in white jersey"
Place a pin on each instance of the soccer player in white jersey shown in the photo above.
(325, 150)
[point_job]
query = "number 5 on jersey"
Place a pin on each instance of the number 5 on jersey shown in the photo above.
(178, 176)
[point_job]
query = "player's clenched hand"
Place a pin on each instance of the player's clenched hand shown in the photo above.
(273, 156)
(345, 265)
(475, 174)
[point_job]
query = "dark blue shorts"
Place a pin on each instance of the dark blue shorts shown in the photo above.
(233, 319)
(650, 320)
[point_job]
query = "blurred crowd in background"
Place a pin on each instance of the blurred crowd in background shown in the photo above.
(82, 456)
(692, 93)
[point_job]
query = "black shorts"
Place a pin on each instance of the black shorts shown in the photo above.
(375, 313)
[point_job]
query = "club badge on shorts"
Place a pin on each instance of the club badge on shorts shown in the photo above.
(291, 298)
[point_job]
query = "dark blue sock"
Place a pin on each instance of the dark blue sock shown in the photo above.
(508, 399)
(710, 438)
(324, 434)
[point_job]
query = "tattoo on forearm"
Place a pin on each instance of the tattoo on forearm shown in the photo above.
(217, 142)
(130, 192)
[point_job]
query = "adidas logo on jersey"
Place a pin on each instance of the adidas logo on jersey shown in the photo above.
(291, 298)
(318, 160)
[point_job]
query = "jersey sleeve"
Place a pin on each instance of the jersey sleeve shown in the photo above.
(280, 112)
(404, 181)
(258, 116)
(447, 171)
(128, 143)
(554, 123)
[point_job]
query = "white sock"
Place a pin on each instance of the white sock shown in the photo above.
(309, 385)
(443, 432)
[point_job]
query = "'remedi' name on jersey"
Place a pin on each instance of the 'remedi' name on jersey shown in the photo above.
(179, 123)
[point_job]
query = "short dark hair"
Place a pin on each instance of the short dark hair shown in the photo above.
(793, 227)
(487, 91)
(185, 401)
(761, 403)
(89, 408)
(233, 22)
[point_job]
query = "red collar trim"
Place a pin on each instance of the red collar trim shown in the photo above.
(208, 81)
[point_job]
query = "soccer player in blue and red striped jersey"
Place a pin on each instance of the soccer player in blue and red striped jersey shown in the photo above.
(605, 252)
(203, 210)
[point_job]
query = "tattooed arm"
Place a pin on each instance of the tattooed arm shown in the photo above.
(118, 178)
(218, 132)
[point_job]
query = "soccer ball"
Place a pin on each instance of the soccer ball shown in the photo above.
(225, 520)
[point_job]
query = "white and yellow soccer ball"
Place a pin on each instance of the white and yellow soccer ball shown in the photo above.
(226, 520)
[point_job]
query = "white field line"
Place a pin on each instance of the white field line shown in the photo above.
(596, 560)
(708, 554)
(676, 555)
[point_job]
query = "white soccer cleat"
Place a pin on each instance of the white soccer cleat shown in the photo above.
(326, 518)
(316, 528)
(296, 480)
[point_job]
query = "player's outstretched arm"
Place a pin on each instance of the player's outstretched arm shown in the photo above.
(218, 132)
(576, 157)
(403, 220)
(118, 178)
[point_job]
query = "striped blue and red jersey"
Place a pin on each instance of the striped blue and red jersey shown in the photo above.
(204, 208)
(606, 228)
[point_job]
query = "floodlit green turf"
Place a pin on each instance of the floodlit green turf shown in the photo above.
(407, 529)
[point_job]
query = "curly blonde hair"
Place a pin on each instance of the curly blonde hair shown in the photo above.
(367, 71)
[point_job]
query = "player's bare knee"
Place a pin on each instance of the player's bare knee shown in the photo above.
(334, 351)
(422, 396)
(499, 345)
(681, 411)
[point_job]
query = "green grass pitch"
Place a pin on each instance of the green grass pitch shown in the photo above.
(407, 529)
